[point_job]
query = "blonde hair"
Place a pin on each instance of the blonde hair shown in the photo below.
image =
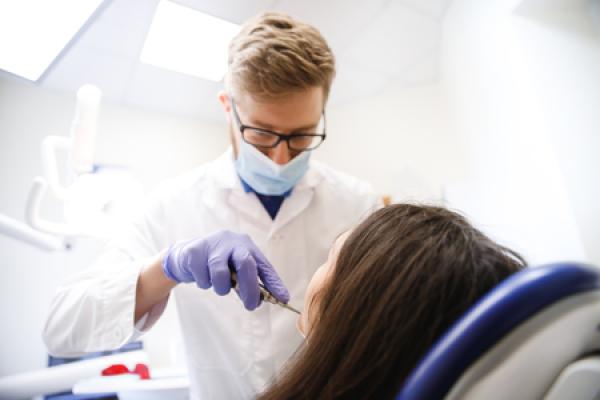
(274, 55)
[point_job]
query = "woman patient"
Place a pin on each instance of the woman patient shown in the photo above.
(388, 290)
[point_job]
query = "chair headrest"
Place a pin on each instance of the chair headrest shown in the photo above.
(509, 304)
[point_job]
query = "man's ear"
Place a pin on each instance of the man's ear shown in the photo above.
(224, 100)
(226, 104)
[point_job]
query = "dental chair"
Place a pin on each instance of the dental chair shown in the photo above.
(535, 336)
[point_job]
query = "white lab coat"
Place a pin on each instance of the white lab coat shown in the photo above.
(231, 353)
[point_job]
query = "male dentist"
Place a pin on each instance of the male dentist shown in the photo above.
(264, 209)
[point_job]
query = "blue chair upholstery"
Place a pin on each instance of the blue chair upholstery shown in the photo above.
(505, 308)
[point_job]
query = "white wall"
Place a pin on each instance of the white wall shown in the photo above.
(402, 141)
(154, 145)
(509, 136)
(561, 51)
(525, 94)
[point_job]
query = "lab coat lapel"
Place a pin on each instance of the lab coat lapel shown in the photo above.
(298, 201)
(292, 207)
(250, 207)
(226, 193)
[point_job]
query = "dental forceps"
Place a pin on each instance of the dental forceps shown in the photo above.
(265, 295)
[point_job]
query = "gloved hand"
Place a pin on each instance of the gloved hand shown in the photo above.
(209, 261)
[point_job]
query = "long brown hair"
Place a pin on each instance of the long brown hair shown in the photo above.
(401, 279)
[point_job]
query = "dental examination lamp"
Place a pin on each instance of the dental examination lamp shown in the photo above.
(94, 197)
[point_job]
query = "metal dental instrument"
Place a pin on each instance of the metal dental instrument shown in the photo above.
(265, 295)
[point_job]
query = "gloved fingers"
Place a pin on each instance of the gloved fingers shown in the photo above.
(273, 282)
(269, 276)
(195, 263)
(247, 277)
(220, 276)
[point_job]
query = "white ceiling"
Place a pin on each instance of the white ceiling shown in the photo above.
(378, 44)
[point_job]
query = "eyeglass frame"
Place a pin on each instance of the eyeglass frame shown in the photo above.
(280, 137)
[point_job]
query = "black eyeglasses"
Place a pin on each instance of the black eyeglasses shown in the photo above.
(268, 139)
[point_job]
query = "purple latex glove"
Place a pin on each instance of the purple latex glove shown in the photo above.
(209, 261)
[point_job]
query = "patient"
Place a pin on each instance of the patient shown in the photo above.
(388, 291)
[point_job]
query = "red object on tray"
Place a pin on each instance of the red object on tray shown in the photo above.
(115, 369)
(142, 370)
(119, 369)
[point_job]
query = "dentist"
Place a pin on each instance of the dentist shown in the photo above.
(263, 209)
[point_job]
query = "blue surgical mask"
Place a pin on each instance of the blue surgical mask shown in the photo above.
(265, 176)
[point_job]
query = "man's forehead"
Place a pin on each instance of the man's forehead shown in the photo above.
(296, 111)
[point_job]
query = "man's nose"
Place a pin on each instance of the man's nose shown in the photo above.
(280, 154)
